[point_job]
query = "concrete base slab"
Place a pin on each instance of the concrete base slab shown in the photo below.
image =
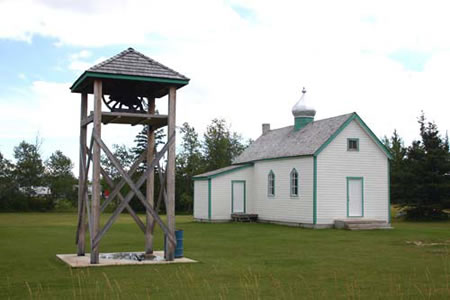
(84, 261)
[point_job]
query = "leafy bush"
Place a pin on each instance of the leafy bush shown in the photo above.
(64, 205)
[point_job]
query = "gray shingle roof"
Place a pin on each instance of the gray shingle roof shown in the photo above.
(286, 142)
(134, 63)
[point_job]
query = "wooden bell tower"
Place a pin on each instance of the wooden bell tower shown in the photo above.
(127, 84)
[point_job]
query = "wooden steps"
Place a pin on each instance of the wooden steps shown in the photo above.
(242, 217)
(361, 224)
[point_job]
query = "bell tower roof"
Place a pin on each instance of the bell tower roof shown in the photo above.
(130, 70)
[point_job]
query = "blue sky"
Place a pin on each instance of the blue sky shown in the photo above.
(247, 61)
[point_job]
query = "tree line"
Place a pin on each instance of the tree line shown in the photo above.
(420, 172)
(19, 179)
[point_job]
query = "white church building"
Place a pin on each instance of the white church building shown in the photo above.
(309, 174)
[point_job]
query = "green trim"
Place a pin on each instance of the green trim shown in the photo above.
(355, 116)
(290, 183)
(232, 194)
(301, 122)
(268, 184)
(315, 190)
(209, 198)
(357, 144)
(389, 190)
(221, 173)
(88, 74)
(362, 196)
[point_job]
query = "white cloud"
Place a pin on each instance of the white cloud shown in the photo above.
(251, 72)
(81, 54)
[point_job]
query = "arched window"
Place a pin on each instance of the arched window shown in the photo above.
(294, 182)
(271, 184)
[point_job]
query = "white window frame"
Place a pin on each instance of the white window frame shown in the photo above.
(294, 183)
(271, 184)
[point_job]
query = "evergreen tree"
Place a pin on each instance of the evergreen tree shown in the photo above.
(141, 140)
(398, 171)
(428, 165)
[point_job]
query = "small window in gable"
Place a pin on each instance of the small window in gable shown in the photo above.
(353, 144)
(271, 184)
(294, 183)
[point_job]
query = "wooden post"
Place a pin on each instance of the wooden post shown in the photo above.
(81, 248)
(96, 190)
(170, 251)
(150, 179)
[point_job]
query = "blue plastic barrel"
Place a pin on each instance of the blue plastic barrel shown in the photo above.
(179, 248)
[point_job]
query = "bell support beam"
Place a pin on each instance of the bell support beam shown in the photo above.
(170, 208)
(81, 230)
(149, 191)
(96, 189)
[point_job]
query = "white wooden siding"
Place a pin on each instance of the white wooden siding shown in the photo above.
(335, 164)
(282, 207)
(221, 192)
(201, 199)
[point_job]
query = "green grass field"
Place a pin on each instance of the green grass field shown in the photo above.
(237, 261)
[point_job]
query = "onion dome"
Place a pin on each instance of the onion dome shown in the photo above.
(303, 108)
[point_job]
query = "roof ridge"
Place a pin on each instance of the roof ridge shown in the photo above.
(156, 62)
(289, 126)
(347, 114)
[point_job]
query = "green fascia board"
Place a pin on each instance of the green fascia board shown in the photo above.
(355, 116)
(389, 190)
(362, 196)
(209, 198)
(315, 190)
(88, 74)
(222, 173)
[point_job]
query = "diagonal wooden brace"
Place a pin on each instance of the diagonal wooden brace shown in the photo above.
(134, 189)
(122, 182)
(110, 182)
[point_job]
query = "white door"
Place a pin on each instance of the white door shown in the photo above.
(238, 196)
(355, 197)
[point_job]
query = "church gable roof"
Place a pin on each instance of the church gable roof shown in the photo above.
(310, 140)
